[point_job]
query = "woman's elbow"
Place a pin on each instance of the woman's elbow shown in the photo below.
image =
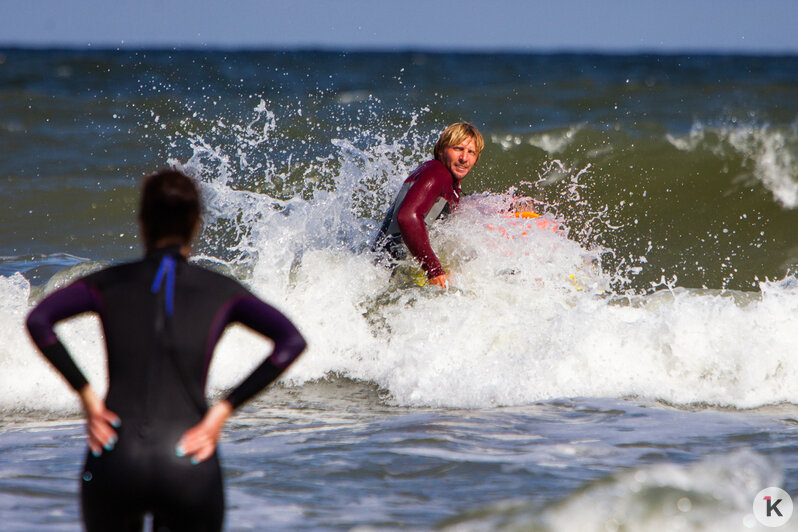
(299, 344)
(39, 327)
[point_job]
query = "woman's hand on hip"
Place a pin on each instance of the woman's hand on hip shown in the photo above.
(100, 422)
(200, 441)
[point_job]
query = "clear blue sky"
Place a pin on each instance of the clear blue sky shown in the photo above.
(751, 26)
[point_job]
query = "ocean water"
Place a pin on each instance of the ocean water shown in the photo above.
(629, 363)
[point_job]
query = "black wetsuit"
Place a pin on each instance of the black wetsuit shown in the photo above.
(162, 318)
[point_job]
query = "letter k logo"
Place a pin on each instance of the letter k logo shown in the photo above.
(772, 506)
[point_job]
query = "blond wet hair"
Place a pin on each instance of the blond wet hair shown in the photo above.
(457, 133)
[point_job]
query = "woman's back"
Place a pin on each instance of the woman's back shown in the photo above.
(153, 440)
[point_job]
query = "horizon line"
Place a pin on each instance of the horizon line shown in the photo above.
(361, 49)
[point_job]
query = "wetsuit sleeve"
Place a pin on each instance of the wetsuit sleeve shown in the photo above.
(418, 202)
(69, 301)
(288, 344)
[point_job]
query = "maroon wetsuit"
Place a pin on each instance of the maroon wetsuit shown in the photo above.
(429, 192)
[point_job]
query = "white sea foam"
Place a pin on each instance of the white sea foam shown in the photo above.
(518, 328)
(515, 329)
(530, 315)
(27, 381)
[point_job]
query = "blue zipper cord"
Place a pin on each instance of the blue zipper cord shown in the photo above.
(166, 269)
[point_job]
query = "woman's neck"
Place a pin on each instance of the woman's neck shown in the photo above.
(185, 247)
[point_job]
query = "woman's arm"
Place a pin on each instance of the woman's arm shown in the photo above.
(200, 441)
(72, 300)
(288, 345)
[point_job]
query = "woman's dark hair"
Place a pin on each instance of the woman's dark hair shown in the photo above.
(170, 206)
